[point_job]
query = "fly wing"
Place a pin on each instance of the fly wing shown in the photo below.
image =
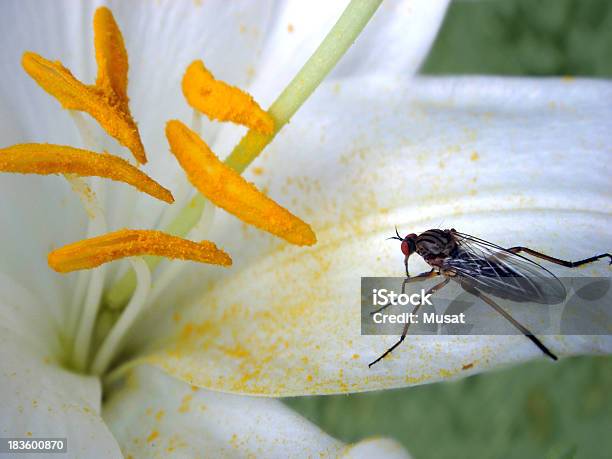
(504, 274)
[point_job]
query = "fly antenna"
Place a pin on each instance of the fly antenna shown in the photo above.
(397, 236)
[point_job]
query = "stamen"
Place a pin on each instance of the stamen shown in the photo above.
(111, 55)
(89, 253)
(102, 103)
(220, 101)
(44, 159)
(112, 343)
(228, 190)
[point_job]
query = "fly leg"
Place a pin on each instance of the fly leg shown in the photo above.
(408, 280)
(567, 264)
(510, 319)
(433, 289)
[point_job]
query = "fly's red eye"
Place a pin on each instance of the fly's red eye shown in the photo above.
(405, 248)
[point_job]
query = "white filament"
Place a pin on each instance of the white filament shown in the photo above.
(168, 273)
(113, 341)
(85, 316)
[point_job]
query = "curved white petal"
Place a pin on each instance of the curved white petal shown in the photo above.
(40, 399)
(155, 415)
(34, 212)
(56, 30)
(376, 447)
(395, 41)
(512, 161)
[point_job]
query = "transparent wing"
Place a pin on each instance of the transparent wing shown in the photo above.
(504, 274)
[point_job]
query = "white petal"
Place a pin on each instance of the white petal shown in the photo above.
(156, 415)
(55, 30)
(41, 400)
(512, 161)
(37, 215)
(395, 41)
(377, 447)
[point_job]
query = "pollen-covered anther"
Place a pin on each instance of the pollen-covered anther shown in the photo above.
(228, 190)
(220, 101)
(107, 100)
(89, 253)
(45, 159)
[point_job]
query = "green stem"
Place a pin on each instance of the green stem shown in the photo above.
(334, 46)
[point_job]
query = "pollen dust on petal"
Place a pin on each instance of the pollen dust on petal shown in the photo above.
(228, 190)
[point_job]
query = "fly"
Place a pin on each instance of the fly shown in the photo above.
(483, 268)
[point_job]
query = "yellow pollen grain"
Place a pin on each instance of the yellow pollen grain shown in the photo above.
(153, 436)
(107, 100)
(45, 159)
(185, 404)
(228, 190)
(220, 101)
(89, 253)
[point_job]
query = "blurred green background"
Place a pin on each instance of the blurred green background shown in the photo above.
(539, 409)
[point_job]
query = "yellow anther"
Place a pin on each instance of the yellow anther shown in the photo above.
(227, 189)
(89, 253)
(220, 101)
(44, 159)
(107, 100)
(111, 55)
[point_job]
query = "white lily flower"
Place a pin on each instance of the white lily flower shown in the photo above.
(259, 45)
(516, 161)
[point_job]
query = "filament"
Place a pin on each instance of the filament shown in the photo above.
(113, 341)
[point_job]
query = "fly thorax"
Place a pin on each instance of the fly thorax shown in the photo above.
(434, 244)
